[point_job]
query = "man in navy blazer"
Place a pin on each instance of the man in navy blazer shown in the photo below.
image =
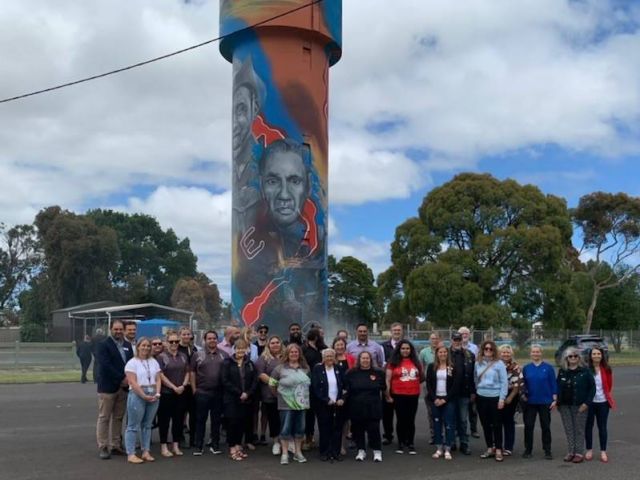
(112, 354)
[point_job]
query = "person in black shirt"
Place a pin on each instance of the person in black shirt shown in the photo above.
(295, 334)
(464, 385)
(83, 351)
(259, 410)
(240, 382)
(187, 347)
(365, 386)
(261, 341)
(312, 351)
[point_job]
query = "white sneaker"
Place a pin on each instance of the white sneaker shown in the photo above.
(377, 455)
(284, 459)
(300, 458)
(276, 449)
(361, 455)
(292, 448)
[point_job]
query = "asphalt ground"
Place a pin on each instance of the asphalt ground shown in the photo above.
(47, 431)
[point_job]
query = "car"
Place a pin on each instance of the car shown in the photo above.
(584, 343)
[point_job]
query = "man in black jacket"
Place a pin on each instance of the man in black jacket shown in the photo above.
(112, 354)
(389, 346)
(312, 351)
(463, 376)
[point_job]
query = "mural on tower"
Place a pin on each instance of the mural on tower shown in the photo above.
(279, 152)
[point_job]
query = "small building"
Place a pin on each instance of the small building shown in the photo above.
(76, 322)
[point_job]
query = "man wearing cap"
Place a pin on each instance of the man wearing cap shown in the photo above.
(464, 385)
(261, 341)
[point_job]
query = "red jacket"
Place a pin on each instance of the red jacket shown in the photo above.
(607, 386)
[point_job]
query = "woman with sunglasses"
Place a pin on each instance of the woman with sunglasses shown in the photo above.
(271, 357)
(157, 347)
(143, 376)
(174, 372)
(491, 391)
(576, 389)
(602, 402)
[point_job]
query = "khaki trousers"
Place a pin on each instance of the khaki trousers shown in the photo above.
(111, 410)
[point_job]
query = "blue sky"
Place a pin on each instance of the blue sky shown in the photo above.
(542, 91)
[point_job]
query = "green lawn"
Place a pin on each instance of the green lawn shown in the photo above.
(40, 376)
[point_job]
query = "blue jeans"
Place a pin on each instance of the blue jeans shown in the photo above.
(461, 406)
(292, 424)
(444, 414)
(140, 414)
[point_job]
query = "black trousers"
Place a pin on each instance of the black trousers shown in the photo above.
(240, 424)
(529, 416)
(190, 408)
(387, 419)
(310, 420)
(84, 364)
(330, 423)
(490, 419)
(369, 426)
(473, 417)
(208, 404)
(171, 411)
(273, 417)
(507, 419)
(406, 407)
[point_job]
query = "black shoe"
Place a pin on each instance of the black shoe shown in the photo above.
(412, 450)
(454, 447)
(104, 453)
(215, 449)
(324, 458)
(526, 454)
(198, 452)
(387, 441)
(338, 458)
(464, 449)
(475, 434)
(548, 456)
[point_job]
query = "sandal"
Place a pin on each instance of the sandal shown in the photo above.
(499, 457)
(438, 454)
(237, 455)
(447, 455)
(589, 455)
(488, 454)
(568, 457)
(243, 454)
(604, 458)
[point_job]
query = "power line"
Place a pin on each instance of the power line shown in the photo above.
(162, 57)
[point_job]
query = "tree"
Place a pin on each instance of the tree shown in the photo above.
(352, 293)
(201, 297)
(20, 257)
(610, 225)
(79, 256)
(147, 252)
(481, 241)
(35, 305)
(390, 297)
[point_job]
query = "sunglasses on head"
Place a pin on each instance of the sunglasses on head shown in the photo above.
(173, 342)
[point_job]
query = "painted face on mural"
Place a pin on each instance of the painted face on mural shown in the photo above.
(245, 110)
(285, 186)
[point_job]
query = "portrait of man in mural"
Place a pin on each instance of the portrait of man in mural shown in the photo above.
(284, 274)
(248, 98)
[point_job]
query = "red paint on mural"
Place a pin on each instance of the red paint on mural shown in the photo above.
(261, 129)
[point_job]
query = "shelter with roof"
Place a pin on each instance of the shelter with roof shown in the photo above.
(73, 323)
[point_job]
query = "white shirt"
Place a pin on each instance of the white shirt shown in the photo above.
(441, 383)
(599, 396)
(146, 370)
(333, 383)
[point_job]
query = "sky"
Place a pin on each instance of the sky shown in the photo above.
(542, 91)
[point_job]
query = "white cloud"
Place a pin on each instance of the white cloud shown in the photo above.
(375, 254)
(452, 82)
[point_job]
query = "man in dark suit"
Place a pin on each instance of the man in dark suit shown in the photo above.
(389, 346)
(112, 354)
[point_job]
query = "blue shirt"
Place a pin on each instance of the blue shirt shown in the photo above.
(494, 381)
(540, 383)
(375, 349)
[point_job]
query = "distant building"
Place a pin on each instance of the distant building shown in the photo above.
(66, 328)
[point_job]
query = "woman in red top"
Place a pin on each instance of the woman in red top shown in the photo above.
(602, 403)
(343, 359)
(404, 376)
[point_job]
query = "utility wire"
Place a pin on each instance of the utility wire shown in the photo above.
(157, 59)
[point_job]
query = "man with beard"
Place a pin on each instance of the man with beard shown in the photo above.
(295, 334)
(231, 334)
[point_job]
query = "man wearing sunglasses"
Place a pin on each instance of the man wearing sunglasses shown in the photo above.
(464, 384)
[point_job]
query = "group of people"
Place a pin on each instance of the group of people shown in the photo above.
(244, 386)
